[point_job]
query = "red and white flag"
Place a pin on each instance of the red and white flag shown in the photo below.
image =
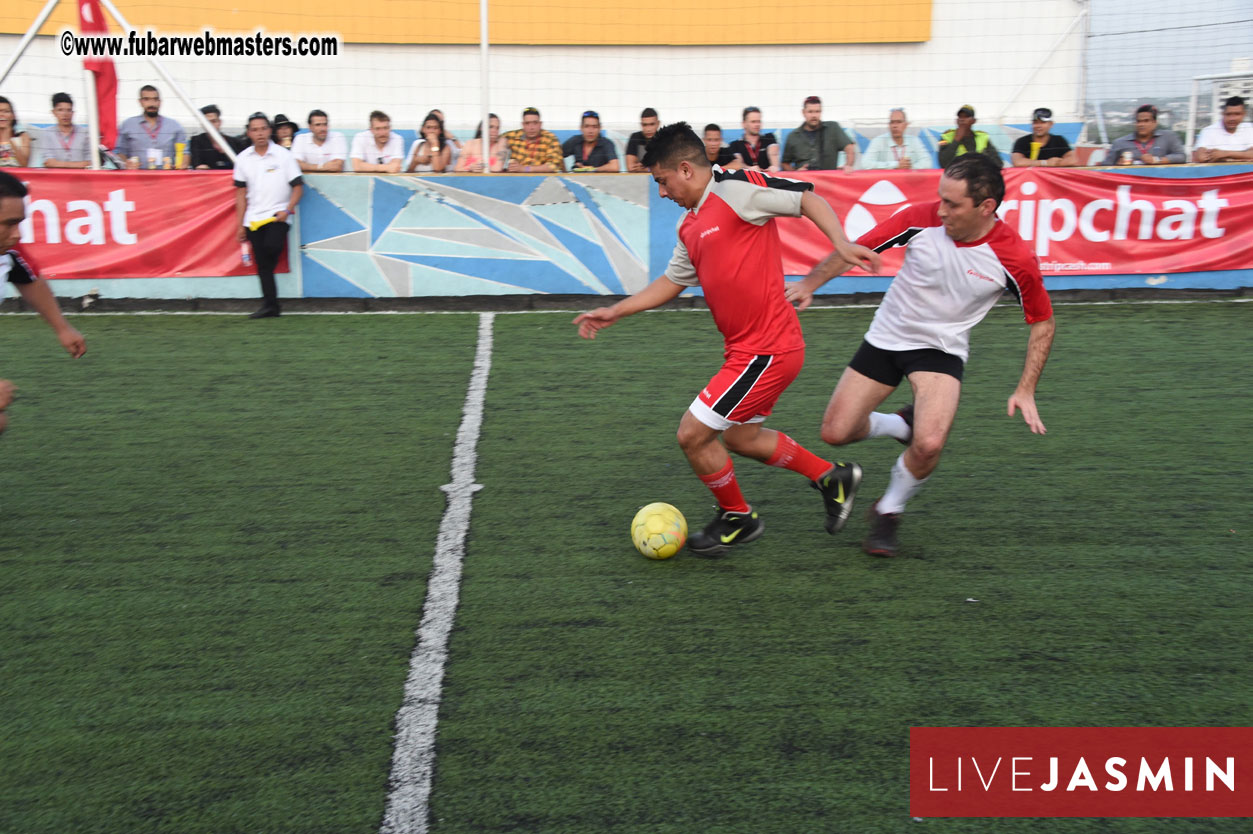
(91, 22)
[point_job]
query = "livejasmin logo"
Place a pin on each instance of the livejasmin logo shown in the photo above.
(1081, 771)
(1124, 217)
(1077, 775)
(80, 222)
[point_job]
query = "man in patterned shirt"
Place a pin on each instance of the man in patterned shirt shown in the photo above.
(533, 150)
(960, 260)
(729, 246)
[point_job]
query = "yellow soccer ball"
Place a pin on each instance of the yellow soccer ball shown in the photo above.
(659, 530)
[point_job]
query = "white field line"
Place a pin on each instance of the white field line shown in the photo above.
(413, 762)
(591, 299)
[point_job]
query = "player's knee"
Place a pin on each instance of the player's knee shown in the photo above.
(836, 434)
(927, 448)
(690, 437)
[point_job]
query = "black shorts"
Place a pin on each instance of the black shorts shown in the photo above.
(890, 366)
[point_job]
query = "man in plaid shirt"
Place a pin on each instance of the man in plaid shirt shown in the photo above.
(533, 150)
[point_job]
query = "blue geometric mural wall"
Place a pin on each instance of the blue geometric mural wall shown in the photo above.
(395, 236)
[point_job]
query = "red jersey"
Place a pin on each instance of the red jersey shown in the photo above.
(729, 245)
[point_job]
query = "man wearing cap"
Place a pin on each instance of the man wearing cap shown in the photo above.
(533, 150)
(206, 153)
(1229, 140)
(756, 151)
(896, 148)
(1041, 148)
(816, 145)
(1148, 145)
(592, 152)
(965, 139)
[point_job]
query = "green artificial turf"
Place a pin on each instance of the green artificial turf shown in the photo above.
(216, 535)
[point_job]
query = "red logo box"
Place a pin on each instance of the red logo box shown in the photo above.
(1081, 771)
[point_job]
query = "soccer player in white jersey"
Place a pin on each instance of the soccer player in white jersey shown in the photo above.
(960, 259)
(16, 270)
(729, 246)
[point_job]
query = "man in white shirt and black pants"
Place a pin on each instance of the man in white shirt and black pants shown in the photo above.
(267, 182)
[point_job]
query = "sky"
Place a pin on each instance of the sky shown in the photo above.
(1145, 50)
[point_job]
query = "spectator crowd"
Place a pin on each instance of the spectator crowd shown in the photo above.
(150, 141)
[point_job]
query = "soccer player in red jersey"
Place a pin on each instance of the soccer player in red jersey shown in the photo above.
(960, 259)
(14, 269)
(728, 244)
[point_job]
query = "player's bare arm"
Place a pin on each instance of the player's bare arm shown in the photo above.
(801, 293)
(655, 294)
(39, 296)
(1038, 346)
(821, 214)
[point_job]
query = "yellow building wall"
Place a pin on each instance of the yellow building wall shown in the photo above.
(641, 22)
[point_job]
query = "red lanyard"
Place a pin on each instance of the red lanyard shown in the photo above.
(1144, 147)
(152, 134)
(897, 150)
(586, 153)
(753, 151)
(67, 144)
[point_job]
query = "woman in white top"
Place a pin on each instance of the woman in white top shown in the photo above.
(431, 151)
(14, 143)
(471, 159)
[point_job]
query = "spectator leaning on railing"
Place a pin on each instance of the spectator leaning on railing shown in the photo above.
(431, 152)
(470, 159)
(378, 150)
(151, 141)
(533, 150)
(14, 143)
(63, 145)
(715, 151)
(1041, 148)
(757, 151)
(964, 139)
(1147, 144)
(206, 154)
(319, 151)
(816, 145)
(636, 143)
(896, 148)
(1228, 140)
(591, 150)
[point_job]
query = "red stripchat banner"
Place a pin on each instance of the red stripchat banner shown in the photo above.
(1081, 771)
(132, 224)
(1079, 222)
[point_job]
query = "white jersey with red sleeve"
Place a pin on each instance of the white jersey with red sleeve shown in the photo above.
(729, 245)
(945, 288)
(14, 269)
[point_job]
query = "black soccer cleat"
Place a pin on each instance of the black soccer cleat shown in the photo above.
(881, 541)
(906, 413)
(838, 486)
(726, 531)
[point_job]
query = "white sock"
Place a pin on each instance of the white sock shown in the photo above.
(889, 425)
(902, 486)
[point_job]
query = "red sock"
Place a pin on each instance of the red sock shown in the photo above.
(726, 489)
(791, 455)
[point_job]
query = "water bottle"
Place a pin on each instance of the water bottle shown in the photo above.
(245, 254)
